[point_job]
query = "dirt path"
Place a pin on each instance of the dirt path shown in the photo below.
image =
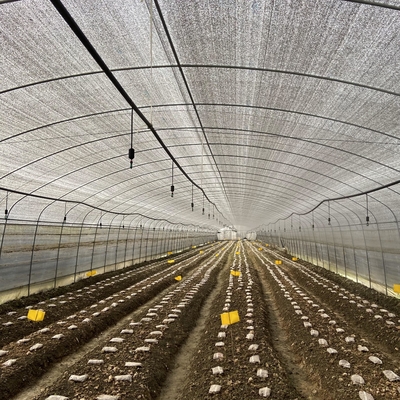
(178, 375)
(289, 359)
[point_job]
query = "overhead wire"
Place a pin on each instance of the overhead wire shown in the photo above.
(166, 30)
(350, 196)
(54, 199)
(64, 13)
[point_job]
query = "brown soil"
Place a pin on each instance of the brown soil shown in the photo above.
(272, 302)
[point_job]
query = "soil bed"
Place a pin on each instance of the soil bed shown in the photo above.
(78, 328)
(239, 379)
(297, 322)
(339, 313)
(167, 322)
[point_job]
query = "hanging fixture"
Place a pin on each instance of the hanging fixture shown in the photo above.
(131, 150)
(367, 217)
(192, 199)
(172, 184)
(329, 213)
(203, 205)
(6, 210)
(65, 212)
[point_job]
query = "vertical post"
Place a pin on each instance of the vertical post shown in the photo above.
(134, 245)
(94, 244)
(116, 248)
(33, 250)
(3, 236)
(335, 250)
(58, 253)
(126, 244)
(107, 243)
(141, 243)
(79, 245)
(147, 242)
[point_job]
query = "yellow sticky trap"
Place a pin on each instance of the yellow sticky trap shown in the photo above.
(260, 248)
(266, 244)
(171, 261)
(235, 273)
(230, 318)
(294, 258)
(201, 251)
(91, 273)
(178, 278)
(238, 252)
(169, 253)
(396, 288)
(217, 255)
(36, 315)
(278, 262)
(193, 247)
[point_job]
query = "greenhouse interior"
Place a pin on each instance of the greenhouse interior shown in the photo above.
(133, 131)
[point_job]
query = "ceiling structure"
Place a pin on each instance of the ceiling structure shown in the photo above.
(251, 109)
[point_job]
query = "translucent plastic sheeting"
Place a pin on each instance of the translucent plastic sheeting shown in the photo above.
(355, 237)
(35, 257)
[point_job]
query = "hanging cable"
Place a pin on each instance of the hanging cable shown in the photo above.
(131, 150)
(192, 199)
(202, 162)
(172, 183)
(6, 210)
(87, 44)
(151, 57)
(164, 24)
(329, 213)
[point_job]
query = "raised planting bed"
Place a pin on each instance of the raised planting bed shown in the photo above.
(23, 361)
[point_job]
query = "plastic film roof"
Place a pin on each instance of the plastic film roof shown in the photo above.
(264, 107)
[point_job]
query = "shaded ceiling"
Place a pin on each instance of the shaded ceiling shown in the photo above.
(264, 108)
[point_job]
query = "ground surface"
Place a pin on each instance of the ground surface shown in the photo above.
(285, 310)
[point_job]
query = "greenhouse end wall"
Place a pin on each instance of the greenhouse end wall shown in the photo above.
(41, 256)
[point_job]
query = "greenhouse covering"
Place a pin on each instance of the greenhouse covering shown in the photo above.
(132, 128)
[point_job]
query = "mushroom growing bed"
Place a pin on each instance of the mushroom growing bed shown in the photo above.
(22, 362)
(295, 331)
(334, 332)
